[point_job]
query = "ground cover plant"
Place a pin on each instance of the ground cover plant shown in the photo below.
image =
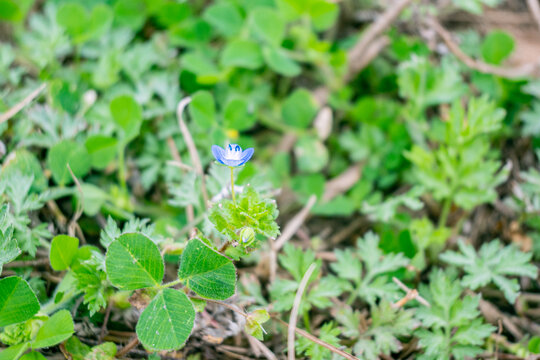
(269, 179)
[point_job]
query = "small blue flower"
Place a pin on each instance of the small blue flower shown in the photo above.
(232, 155)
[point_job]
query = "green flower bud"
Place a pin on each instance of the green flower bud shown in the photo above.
(247, 235)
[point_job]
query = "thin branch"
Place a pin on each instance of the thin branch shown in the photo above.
(534, 7)
(27, 263)
(129, 346)
(21, 104)
(191, 145)
(190, 213)
(105, 321)
(324, 344)
(73, 225)
(294, 224)
(294, 312)
(372, 32)
(515, 72)
(342, 182)
(411, 294)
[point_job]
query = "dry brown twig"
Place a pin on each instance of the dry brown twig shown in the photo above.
(318, 341)
(506, 72)
(342, 182)
(294, 224)
(534, 7)
(179, 163)
(73, 224)
(294, 312)
(356, 63)
(193, 153)
(411, 295)
(129, 346)
(21, 104)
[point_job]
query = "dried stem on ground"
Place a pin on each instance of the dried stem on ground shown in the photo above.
(510, 72)
(294, 311)
(21, 104)
(193, 153)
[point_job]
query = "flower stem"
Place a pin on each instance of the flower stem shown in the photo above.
(232, 184)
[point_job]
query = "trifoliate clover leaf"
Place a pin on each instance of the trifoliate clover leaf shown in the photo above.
(492, 264)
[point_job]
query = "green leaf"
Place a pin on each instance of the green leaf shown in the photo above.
(138, 256)
(102, 150)
(56, 329)
(492, 263)
(127, 115)
(8, 245)
(13, 352)
(207, 272)
(18, 302)
(203, 109)
(167, 321)
(311, 154)
(268, 25)
(254, 323)
(299, 109)
(238, 116)
(497, 46)
(68, 152)
(323, 14)
(34, 355)
(93, 198)
(225, 17)
(242, 53)
(63, 251)
(277, 60)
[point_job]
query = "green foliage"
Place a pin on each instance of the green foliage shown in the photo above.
(493, 263)
(137, 255)
(54, 330)
(254, 323)
(367, 268)
(382, 335)
(249, 211)
(18, 302)
(462, 169)
(207, 272)
(328, 334)
(66, 153)
(167, 321)
(63, 251)
(497, 46)
(8, 246)
(451, 326)
(475, 6)
(80, 351)
(127, 115)
(296, 261)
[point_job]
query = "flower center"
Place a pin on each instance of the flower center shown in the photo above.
(233, 152)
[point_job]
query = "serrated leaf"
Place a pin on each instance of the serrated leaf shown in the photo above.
(138, 256)
(18, 302)
(56, 329)
(167, 321)
(63, 251)
(207, 272)
(492, 263)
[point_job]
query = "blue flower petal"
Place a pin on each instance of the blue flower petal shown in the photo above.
(219, 154)
(232, 155)
(247, 154)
